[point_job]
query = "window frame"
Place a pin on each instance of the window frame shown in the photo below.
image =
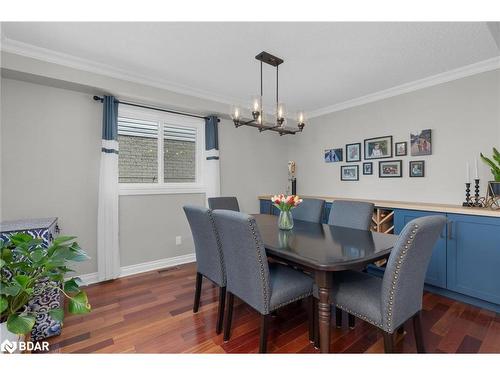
(167, 119)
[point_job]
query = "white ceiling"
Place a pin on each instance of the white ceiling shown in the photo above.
(325, 63)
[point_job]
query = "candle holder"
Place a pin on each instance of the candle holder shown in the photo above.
(467, 202)
(477, 203)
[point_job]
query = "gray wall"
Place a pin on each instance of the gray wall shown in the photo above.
(464, 116)
(50, 159)
(50, 167)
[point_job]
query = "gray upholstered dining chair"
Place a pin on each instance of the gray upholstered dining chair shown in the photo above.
(389, 302)
(224, 203)
(351, 214)
(209, 258)
(265, 287)
(309, 210)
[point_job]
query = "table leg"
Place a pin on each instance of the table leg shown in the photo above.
(323, 280)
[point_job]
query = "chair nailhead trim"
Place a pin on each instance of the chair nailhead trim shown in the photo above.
(266, 293)
(395, 278)
(219, 246)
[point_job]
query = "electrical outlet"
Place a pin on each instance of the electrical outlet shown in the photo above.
(178, 240)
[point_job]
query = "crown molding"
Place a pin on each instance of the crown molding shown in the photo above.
(47, 55)
(451, 75)
(70, 61)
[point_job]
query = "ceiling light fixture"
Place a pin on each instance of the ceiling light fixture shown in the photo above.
(258, 116)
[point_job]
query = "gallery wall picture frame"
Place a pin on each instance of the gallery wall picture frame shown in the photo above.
(421, 142)
(349, 173)
(401, 148)
(390, 168)
(353, 152)
(368, 168)
(378, 147)
(417, 168)
(333, 155)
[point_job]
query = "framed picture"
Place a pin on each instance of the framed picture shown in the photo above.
(333, 155)
(378, 148)
(390, 168)
(421, 143)
(353, 152)
(417, 168)
(349, 173)
(368, 168)
(401, 148)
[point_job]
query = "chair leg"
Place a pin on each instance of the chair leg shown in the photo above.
(338, 317)
(388, 342)
(229, 316)
(311, 317)
(351, 320)
(316, 324)
(220, 312)
(197, 292)
(417, 328)
(264, 323)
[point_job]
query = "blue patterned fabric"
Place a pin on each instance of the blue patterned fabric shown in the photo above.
(249, 276)
(351, 214)
(309, 210)
(209, 257)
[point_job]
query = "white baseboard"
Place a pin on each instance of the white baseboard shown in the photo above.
(92, 278)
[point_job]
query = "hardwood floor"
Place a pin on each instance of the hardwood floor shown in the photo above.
(152, 313)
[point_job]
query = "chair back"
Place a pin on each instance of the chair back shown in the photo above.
(309, 210)
(209, 257)
(223, 203)
(351, 214)
(403, 282)
(245, 258)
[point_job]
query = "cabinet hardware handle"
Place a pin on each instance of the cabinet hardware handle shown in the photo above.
(450, 229)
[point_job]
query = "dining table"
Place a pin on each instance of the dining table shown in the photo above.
(322, 250)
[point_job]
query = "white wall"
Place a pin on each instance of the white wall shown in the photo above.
(464, 116)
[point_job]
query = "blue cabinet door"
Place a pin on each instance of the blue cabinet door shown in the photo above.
(474, 256)
(265, 206)
(436, 272)
(326, 212)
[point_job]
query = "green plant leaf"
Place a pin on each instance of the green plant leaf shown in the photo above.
(62, 239)
(11, 290)
(71, 286)
(37, 255)
(3, 304)
(20, 324)
(22, 280)
(57, 314)
(2, 263)
(79, 304)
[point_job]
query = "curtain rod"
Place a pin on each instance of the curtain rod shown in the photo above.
(97, 98)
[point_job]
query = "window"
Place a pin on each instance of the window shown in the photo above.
(159, 152)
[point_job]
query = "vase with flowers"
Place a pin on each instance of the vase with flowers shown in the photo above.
(285, 203)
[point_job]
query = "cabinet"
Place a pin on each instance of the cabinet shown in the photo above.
(436, 272)
(466, 260)
(473, 262)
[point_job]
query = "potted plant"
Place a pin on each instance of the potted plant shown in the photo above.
(493, 186)
(28, 269)
(285, 204)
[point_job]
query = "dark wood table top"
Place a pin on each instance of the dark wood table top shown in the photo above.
(323, 247)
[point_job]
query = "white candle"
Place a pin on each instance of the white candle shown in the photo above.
(477, 174)
(467, 172)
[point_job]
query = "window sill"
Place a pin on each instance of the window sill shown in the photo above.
(139, 189)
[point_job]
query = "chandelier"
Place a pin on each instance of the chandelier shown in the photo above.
(258, 116)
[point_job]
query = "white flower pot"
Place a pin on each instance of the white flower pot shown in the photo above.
(9, 342)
